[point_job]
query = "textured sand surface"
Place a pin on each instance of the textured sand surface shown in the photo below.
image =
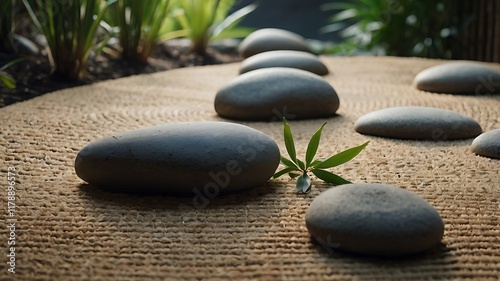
(68, 230)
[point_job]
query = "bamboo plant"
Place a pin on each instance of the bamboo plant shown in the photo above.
(69, 27)
(207, 20)
(141, 26)
(7, 17)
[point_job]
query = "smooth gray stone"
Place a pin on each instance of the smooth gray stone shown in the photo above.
(460, 77)
(271, 39)
(184, 158)
(268, 94)
(487, 144)
(419, 123)
(292, 59)
(374, 219)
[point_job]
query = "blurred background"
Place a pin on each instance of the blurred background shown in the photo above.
(447, 29)
(46, 45)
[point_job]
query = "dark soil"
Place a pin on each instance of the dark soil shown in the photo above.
(33, 76)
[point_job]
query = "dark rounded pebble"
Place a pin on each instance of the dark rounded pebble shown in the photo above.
(374, 219)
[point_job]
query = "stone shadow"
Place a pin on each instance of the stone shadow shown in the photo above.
(98, 196)
(436, 261)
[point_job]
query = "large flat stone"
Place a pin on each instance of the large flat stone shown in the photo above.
(460, 77)
(269, 93)
(183, 158)
(374, 219)
(414, 122)
(292, 59)
(272, 39)
(488, 144)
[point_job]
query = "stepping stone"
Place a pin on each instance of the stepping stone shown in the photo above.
(460, 77)
(268, 94)
(205, 158)
(292, 59)
(419, 123)
(272, 39)
(374, 219)
(487, 144)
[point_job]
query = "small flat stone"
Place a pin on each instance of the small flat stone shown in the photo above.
(419, 123)
(374, 219)
(184, 158)
(460, 77)
(487, 144)
(269, 93)
(292, 59)
(271, 39)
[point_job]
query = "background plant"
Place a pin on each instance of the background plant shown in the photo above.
(394, 27)
(206, 20)
(296, 168)
(7, 79)
(69, 27)
(7, 21)
(141, 26)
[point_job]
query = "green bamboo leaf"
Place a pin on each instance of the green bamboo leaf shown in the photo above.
(301, 165)
(290, 146)
(303, 183)
(293, 175)
(342, 157)
(329, 177)
(284, 171)
(315, 163)
(287, 162)
(344, 15)
(333, 27)
(312, 147)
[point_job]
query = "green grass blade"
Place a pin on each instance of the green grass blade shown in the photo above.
(173, 34)
(290, 146)
(7, 80)
(10, 63)
(303, 183)
(233, 18)
(342, 157)
(32, 14)
(284, 171)
(237, 32)
(312, 147)
(329, 177)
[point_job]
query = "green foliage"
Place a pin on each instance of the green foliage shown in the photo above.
(141, 26)
(296, 168)
(69, 27)
(7, 18)
(206, 20)
(5, 77)
(394, 27)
